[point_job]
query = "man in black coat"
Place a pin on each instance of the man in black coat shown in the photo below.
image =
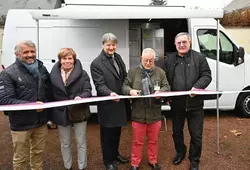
(108, 72)
(187, 70)
(25, 81)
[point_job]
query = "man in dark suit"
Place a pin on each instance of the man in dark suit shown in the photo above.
(108, 72)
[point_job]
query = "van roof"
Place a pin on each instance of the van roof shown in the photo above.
(126, 12)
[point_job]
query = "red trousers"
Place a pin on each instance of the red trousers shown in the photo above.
(140, 130)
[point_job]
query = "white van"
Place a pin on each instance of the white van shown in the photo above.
(82, 26)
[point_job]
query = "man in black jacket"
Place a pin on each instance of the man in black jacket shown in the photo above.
(187, 70)
(108, 72)
(26, 81)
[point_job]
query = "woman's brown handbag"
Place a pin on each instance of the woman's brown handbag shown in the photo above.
(78, 112)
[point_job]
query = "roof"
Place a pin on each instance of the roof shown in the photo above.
(236, 5)
(126, 12)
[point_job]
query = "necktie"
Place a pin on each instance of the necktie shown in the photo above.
(116, 65)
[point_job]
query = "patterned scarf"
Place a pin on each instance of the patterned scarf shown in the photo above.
(147, 87)
(65, 75)
(32, 68)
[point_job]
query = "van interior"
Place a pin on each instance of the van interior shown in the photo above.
(157, 34)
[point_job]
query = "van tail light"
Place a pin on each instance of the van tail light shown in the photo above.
(3, 67)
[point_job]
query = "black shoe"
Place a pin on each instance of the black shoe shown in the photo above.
(69, 169)
(134, 168)
(179, 157)
(122, 159)
(194, 167)
(110, 167)
(154, 166)
(81, 169)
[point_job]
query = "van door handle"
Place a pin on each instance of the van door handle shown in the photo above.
(53, 61)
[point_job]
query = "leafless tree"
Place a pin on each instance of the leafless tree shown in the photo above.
(158, 2)
(2, 20)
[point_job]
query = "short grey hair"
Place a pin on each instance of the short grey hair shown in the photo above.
(26, 42)
(181, 34)
(109, 37)
(148, 51)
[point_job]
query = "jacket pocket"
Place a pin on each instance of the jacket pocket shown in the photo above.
(156, 112)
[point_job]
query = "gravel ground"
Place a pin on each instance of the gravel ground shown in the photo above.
(234, 146)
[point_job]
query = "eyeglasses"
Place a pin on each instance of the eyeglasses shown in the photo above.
(150, 61)
(181, 42)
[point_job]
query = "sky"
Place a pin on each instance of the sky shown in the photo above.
(200, 3)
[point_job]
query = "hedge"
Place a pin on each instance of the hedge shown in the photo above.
(237, 19)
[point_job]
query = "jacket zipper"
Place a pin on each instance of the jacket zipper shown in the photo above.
(185, 75)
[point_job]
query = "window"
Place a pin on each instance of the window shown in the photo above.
(207, 42)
